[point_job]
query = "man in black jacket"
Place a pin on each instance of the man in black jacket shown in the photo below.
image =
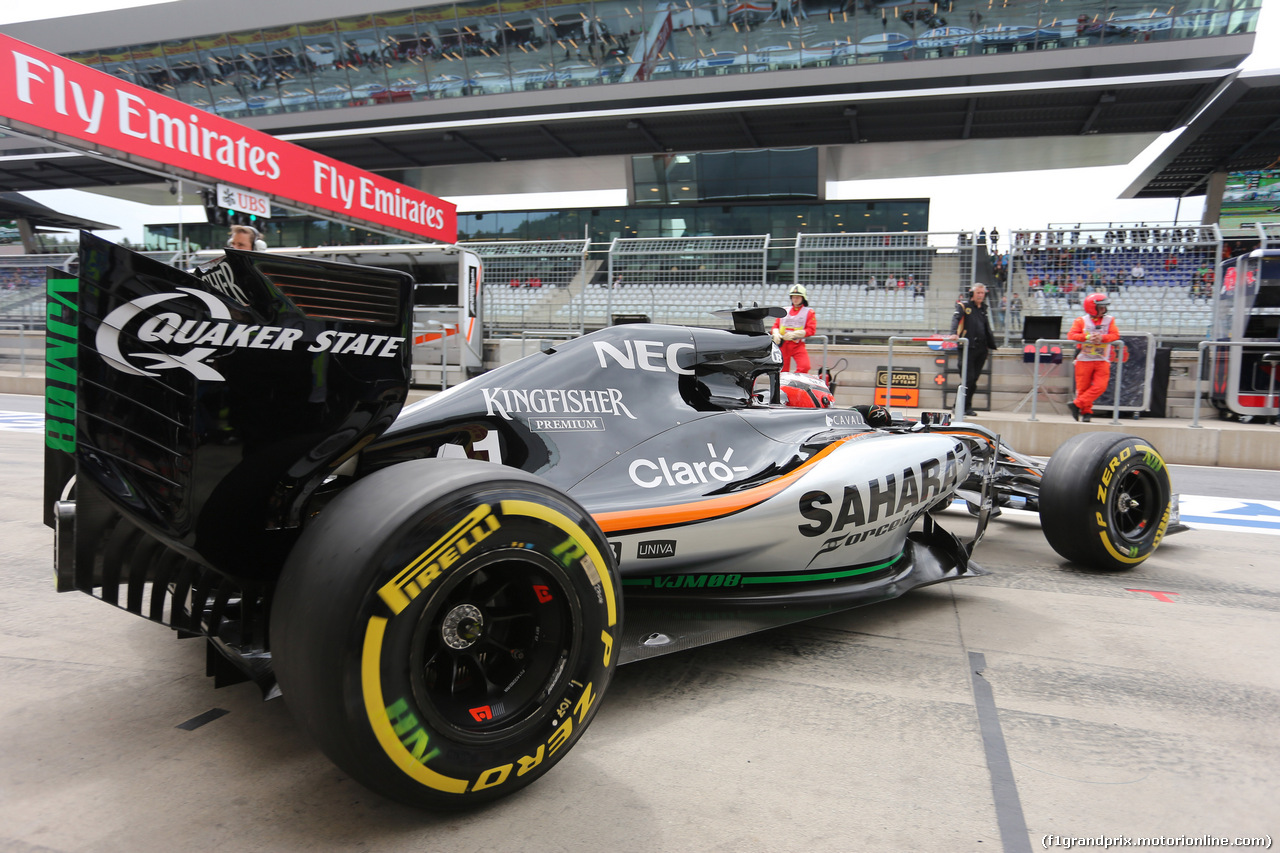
(971, 321)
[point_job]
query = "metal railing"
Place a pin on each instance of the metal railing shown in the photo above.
(22, 344)
(1119, 377)
(961, 392)
(1204, 345)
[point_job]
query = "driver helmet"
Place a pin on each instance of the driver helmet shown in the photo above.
(1096, 304)
(798, 290)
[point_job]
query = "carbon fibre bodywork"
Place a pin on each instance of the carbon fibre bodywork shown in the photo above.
(216, 415)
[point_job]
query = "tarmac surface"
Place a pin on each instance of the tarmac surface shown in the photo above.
(1009, 712)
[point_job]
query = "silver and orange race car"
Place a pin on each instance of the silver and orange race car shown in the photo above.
(442, 591)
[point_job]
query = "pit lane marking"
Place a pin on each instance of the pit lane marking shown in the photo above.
(1228, 514)
(21, 422)
(1231, 514)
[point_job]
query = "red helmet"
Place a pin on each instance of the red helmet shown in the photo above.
(1096, 304)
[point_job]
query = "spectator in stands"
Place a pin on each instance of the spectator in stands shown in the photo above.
(972, 321)
(1198, 289)
(1015, 311)
(1137, 273)
(1095, 331)
(1077, 290)
(872, 284)
(789, 331)
(1113, 285)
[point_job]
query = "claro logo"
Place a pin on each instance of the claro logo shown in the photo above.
(649, 473)
(203, 338)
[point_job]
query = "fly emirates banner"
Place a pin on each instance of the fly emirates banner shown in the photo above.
(42, 92)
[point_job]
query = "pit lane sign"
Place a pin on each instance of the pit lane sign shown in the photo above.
(906, 386)
(51, 97)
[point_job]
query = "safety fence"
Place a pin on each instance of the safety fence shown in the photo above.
(858, 284)
(529, 283)
(1268, 235)
(1160, 279)
(22, 282)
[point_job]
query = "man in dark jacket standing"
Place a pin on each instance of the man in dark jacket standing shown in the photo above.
(972, 322)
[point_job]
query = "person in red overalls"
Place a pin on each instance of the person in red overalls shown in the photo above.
(1095, 331)
(790, 331)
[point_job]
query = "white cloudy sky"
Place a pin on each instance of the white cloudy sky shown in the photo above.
(1007, 200)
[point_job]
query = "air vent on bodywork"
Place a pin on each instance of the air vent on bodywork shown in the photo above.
(363, 295)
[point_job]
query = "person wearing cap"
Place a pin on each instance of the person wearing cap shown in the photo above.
(789, 331)
(1095, 331)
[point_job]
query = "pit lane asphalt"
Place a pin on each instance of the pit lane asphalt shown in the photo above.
(1142, 703)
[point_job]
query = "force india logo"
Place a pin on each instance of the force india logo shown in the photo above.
(205, 337)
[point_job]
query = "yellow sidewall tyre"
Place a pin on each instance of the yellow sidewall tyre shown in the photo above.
(445, 630)
(1105, 500)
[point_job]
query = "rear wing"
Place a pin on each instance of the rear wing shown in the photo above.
(206, 407)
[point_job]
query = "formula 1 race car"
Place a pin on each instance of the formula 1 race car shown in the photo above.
(1073, 492)
(442, 591)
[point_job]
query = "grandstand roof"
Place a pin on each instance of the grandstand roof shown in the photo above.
(1133, 88)
(1237, 131)
(18, 206)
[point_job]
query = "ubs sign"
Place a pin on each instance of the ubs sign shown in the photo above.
(244, 201)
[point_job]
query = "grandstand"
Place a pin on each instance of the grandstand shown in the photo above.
(862, 286)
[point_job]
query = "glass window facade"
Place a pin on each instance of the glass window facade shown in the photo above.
(780, 220)
(726, 176)
(483, 48)
(600, 225)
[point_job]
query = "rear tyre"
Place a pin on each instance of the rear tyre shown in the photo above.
(1105, 500)
(445, 630)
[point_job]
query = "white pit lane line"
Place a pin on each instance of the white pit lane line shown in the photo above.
(21, 422)
(1228, 514)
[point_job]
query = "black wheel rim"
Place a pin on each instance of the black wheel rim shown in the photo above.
(490, 647)
(1135, 505)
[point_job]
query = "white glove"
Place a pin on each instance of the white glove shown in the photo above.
(777, 336)
(794, 335)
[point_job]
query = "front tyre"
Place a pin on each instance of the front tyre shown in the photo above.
(445, 630)
(1105, 500)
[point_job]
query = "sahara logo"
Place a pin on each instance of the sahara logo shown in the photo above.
(649, 474)
(206, 337)
(884, 499)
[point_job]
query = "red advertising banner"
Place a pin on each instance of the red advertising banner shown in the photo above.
(41, 91)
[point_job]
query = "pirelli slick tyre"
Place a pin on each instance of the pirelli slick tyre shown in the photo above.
(445, 630)
(1105, 500)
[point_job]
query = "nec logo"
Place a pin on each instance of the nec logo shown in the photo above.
(655, 548)
(646, 355)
